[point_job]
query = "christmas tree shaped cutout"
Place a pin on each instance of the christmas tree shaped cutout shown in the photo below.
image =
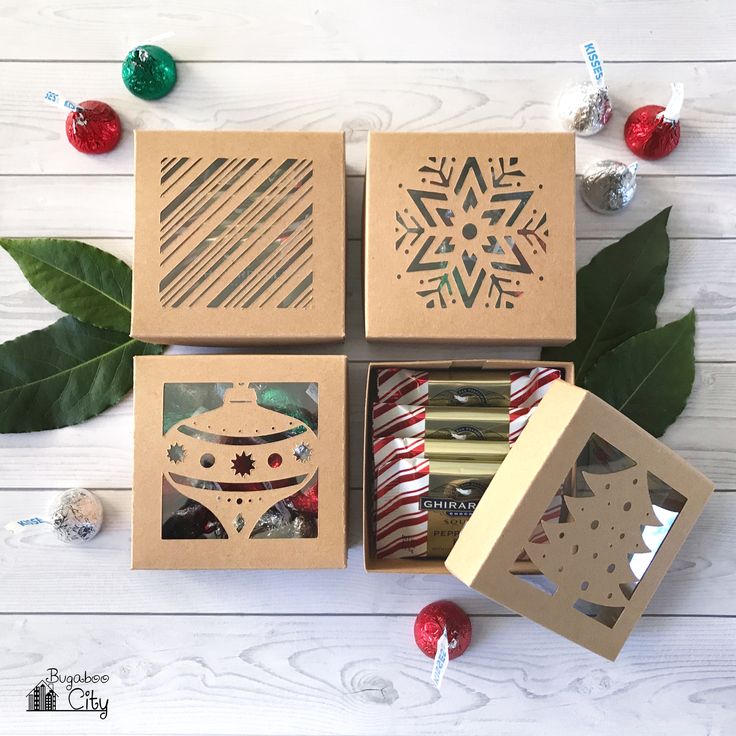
(588, 556)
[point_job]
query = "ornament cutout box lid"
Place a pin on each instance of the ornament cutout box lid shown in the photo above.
(239, 237)
(470, 237)
(629, 508)
(240, 462)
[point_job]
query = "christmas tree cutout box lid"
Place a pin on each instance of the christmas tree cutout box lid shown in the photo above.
(628, 507)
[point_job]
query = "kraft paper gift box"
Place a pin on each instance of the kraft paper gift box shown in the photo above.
(470, 237)
(630, 504)
(239, 462)
(239, 237)
(374, 562)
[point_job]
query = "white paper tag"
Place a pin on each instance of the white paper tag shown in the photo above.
(441, 659)
(674, 106)
(25, 525)
(56, 99)
(594, 63)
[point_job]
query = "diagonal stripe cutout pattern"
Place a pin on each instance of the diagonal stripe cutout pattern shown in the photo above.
(236, 233)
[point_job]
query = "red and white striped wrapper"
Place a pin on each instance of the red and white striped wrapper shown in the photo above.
(402, 386)
(398, 420)
(527, 390)
(388, 450)
(401, 526)
(405, 386)
(402, 474)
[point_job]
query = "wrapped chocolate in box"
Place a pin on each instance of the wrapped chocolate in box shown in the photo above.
(435, 437)
(240, 462)
(579, 522)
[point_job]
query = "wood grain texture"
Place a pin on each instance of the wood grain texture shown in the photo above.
(710, 288)
(331, 652)
(400, 31)
(102, 207)
(701, 582)
(98, 453)
(364, 675)
(358, 98)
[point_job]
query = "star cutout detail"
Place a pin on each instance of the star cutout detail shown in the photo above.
(303, 452)
(243, 464)
(176, 453)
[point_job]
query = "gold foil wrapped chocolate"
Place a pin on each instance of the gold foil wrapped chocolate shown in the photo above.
(466, 423)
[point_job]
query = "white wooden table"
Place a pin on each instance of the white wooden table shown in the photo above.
(332, 652)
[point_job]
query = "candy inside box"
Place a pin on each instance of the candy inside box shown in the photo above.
(525, 487)
(239, 462)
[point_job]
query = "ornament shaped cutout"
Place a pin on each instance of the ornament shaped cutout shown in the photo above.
(228, 460)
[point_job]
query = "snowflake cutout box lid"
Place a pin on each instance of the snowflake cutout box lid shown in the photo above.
(470, 237)
(240, 462)
(239, 237)
(628, 505)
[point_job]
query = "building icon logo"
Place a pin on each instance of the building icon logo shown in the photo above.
(68, 693)
(42, 697)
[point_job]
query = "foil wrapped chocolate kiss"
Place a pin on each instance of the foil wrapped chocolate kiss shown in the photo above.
(608, 186)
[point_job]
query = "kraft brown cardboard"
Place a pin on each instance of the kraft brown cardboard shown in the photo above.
(239, 238)
(213, 449)
(470, 237)
(597, 573)
(424, 566)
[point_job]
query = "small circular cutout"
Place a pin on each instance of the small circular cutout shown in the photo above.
(207, 460)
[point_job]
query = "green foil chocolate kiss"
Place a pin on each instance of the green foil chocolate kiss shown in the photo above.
(149, 72)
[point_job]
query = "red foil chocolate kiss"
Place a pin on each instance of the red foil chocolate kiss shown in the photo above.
(433, 619)
(653, 131)
(94, 127)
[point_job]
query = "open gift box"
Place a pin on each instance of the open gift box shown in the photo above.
(627, 504)
(239, 462)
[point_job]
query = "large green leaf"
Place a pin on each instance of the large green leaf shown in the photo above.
(64, 374)
(617, 294)
(649, 377)
(79, 279)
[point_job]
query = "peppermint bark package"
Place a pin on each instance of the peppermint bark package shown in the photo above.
(470, 237)
(436, 434)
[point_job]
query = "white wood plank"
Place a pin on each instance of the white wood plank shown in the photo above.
(98, 453)
(357, 98)
(702, 580)
(358, 675)
(335, 30)
(102, 207)
(702, 274)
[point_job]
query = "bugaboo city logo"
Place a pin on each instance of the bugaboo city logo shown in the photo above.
(68, 693)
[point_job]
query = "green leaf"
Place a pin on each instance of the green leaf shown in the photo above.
(617, 294)
(64, 374)
(649, 377)
(79, 279)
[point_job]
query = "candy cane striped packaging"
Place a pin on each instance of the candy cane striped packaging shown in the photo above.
(421, 505)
